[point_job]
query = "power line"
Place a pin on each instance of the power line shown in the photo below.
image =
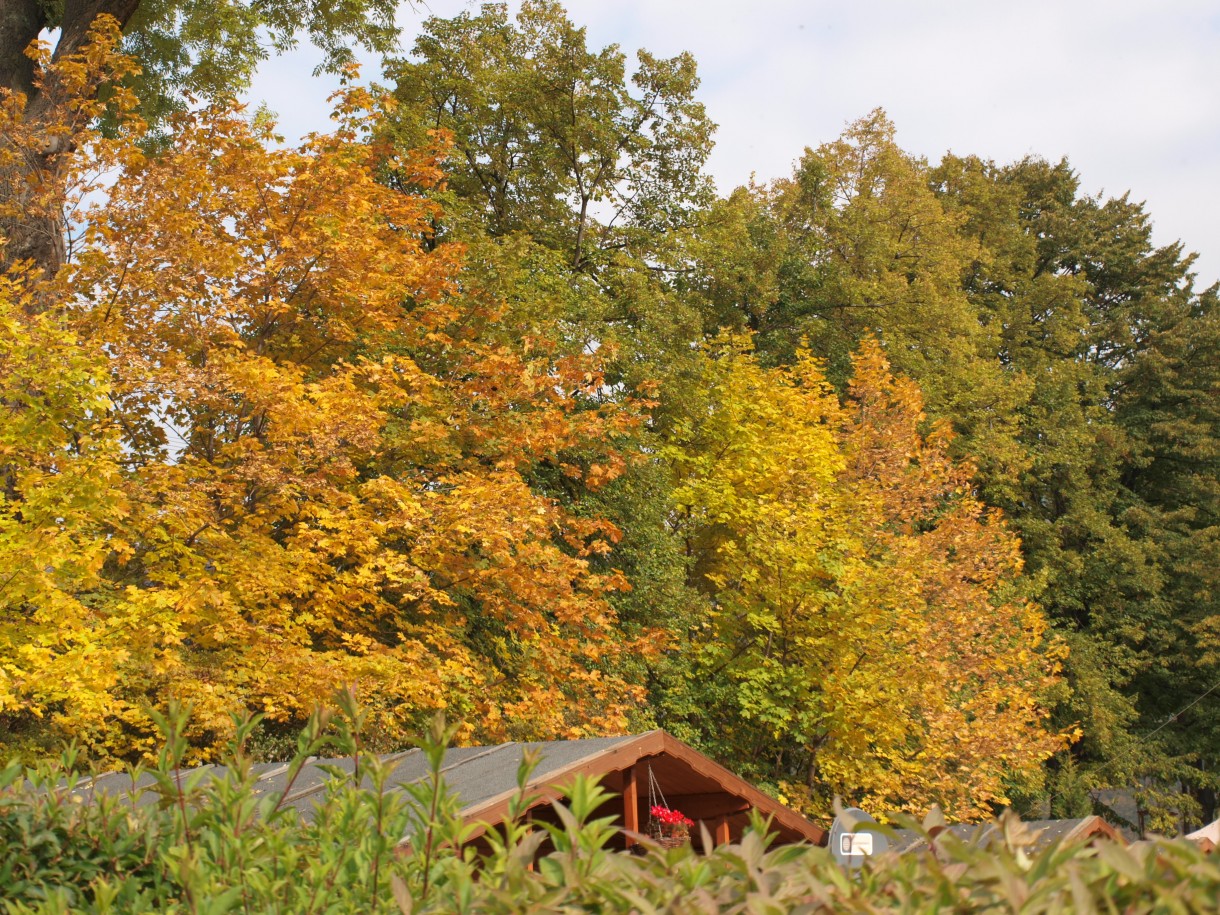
(1174, 717)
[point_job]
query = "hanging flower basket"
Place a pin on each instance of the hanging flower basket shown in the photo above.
(669, 828)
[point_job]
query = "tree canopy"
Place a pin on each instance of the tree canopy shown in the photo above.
(887, 479)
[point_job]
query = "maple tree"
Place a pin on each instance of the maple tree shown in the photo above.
(986, 666)
(868, 637)
(60, 460)
(325, 468)
(177, 52)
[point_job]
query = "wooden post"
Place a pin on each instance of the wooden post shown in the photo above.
(723, 837)
(631, 803)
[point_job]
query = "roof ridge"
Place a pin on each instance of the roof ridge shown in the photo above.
(461, 762)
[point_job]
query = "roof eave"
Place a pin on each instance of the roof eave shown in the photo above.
(625, 754)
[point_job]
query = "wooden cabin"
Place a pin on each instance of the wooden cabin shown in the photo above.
(484, 779)
(639, 770)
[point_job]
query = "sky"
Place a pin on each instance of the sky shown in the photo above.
(1128, 91)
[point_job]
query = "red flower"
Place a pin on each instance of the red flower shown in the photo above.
(670, 817)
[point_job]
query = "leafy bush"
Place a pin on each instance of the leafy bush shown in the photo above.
(213, 845)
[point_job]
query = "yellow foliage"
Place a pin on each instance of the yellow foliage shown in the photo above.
(323, 471)
(865, 617)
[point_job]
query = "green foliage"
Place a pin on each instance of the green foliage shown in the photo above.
(196, 845)
(553, 138)
(1114, 498)
(205, 50)
(59, 853)
(567, 170)
(454, 436)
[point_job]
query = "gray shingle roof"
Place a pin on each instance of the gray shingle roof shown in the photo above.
(484, 779)
(474, 774)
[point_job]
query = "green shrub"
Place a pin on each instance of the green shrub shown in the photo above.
(214, 845)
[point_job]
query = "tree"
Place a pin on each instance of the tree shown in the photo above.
(865, 247)
(1167, 404)
(574, 183)
(1097, 319)
(557, 147)
(1044, 325)
(869, 637)
(60, 458)
(985, 655)
(550, 137)
(326, 463)
(52, 156)
(195, 49)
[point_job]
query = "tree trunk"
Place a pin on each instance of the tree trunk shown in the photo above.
(20, 23)
(79, 16)
(37, 235)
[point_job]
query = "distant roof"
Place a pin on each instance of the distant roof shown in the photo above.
(1208, 833)
(484, 779)
(1042, 833)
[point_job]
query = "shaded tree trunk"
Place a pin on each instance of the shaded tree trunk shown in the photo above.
(34, 234)
(20, 23)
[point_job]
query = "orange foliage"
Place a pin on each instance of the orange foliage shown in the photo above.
(980, 667)
(867, 637)
(326, 463)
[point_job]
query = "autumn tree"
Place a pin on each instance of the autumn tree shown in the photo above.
(325, 464)
(428, 405)
(181, 50)
(575, 176)
(869, 637)
(62, 493)
(986, 661)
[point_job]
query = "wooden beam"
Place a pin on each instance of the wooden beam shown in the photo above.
(713, 808)
(623, 755)
(709, 806)
(779, 815)
(682, 801)
(631, 803)
(722, 834)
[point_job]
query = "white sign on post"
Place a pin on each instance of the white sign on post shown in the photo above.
(854, 836)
